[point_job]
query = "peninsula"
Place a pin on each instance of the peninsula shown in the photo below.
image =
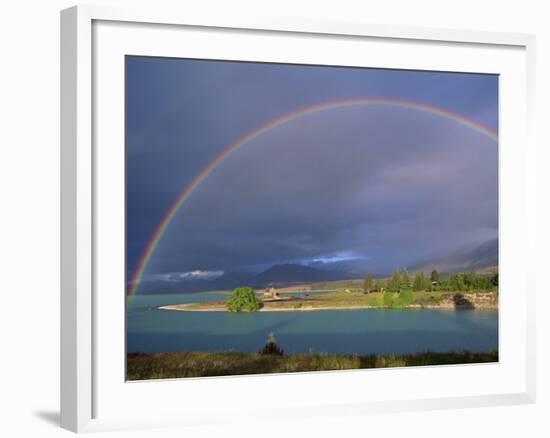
(477, 292)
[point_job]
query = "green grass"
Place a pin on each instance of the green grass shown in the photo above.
(427, 298)
(202, 364)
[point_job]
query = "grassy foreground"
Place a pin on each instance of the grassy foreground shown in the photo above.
(201, 364)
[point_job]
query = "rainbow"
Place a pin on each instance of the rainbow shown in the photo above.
(220, 157)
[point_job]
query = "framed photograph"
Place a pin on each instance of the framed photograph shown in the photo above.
(256, 208)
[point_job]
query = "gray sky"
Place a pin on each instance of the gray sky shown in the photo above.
(354, 188)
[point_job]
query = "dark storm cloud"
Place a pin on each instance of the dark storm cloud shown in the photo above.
(333, 189)
(382, 185)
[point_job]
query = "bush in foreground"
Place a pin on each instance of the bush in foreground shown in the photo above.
(271, 347)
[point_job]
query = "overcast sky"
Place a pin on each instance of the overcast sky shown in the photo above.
(373, 187)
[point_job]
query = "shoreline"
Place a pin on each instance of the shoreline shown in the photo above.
(188, 308)
(347, 300)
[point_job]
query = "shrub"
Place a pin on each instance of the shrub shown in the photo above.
(377, 300)
(271, 347)
(398, 300)
(406, 297)
(388, 299)
(243, 299)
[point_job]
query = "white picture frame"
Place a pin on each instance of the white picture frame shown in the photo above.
(85, 354)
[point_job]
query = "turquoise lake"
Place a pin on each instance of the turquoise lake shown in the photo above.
(331, 331)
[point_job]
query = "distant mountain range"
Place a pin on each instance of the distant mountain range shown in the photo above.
(481, 258)
(277, 275)
(294, 273)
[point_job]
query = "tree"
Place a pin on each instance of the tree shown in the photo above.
(456, 282)
(471, 280)
(368, 284)
(434, 276)
(494, 279)
(405, 281)
(419, 282)
(378, 285)
(394, 283)
(243, 299)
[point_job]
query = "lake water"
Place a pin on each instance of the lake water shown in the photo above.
(361, 331)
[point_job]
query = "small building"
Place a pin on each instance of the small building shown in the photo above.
(270, 292)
